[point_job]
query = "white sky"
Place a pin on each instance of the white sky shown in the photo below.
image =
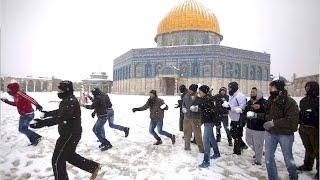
(69, 39)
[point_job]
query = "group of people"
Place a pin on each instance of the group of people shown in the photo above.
(267, 122)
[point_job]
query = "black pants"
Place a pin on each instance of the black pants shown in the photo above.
(310, 140)
(237, 133)
(65, 151)
(181, 121)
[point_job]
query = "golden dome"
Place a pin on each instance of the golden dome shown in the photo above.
(189, 15)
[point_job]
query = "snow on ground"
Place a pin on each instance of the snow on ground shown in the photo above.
(131, 158)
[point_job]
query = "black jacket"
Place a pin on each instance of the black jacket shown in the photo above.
(309, 111)
(256, 123)
(181, 100)
(99, 104)
(68, 116)
(208, 109)
(219, 99)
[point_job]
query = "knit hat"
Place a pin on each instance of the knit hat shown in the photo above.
(223, 89)
(182, 88)
(66, 86)
(279, 84)
(154, 92)
(204, 88)
(95, 91)
(193, 87)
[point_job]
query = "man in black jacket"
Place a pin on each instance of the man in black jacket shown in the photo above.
(100, 108)
(209, 118)
(255, 130)
(309, 126)
(68, 118)
(183, 91)
(222, 114)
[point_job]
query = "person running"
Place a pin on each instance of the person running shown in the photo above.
(157, 108)
(68, 118)
(23, 102)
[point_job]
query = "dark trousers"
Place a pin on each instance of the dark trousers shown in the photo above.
(65, 151)
(237, 133)
(310, 140)
(225, 122)
(181, 121)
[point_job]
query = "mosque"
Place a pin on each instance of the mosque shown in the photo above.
(189, 51)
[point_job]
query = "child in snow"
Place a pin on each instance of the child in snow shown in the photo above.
(23, 103)
(68, 118)
(157, 108)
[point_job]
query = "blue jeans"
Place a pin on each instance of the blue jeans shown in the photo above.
(286, 142)
(209, 141)
(24, 122)
(110, 117)
(98, 129)
(158, 123)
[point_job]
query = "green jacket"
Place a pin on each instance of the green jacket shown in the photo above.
(284, 112)
(156, 113)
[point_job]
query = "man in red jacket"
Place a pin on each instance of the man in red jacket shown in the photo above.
(23, 103)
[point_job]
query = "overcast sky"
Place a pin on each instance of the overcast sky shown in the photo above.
(70, 39)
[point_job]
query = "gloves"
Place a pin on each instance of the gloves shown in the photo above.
(38, 124)
(238, 110)
(225, 104)
(39, 107)
(269, 124)
(251, 115)
(93, 114)
(163, 106)
(4, 99)
(194, 108)
(184, 110)
(135, 109)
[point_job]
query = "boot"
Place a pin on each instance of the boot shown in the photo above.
(95, 172)
(105, 147)
(158, 142)
(173, 139)
(304, 168)
(126, 132)
(218, 137)
(36, 142)
(204, 164)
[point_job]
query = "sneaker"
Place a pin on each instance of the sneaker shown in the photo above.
(36, 142)
(158, 142)
(204, 165)
(173, 139)
(304, 168)
(215, 156)
(105, 147)
(126, 132)
(95, 172)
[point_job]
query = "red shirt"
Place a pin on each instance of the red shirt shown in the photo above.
(23, 103)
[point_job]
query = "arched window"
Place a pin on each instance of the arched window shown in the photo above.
(229, 70)
(157, 69)
(219, 70)
(237, 70)
(259, 73)
(195, 69)
(245, 70)
(253, 72)
(138, 70)
(148, 69)
(207, 69)
(38, 86)
(184, 69)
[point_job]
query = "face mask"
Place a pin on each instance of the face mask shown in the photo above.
(61, 95)
(274, 94)
(231, 92)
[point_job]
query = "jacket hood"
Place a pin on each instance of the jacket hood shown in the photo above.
(13, 87)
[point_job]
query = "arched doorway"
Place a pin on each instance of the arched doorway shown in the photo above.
(30, 86)
(38, 86)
